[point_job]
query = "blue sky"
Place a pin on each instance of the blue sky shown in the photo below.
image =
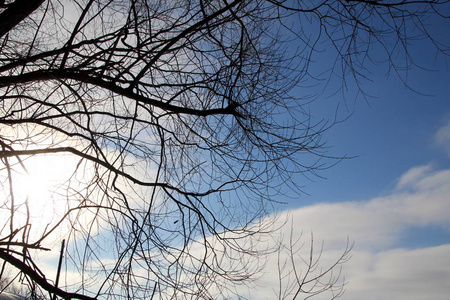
(387, 135)
(393, 199)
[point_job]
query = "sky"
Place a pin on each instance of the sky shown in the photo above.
(392, 200)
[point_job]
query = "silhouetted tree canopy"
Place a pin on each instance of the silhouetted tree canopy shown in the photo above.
(176, 124)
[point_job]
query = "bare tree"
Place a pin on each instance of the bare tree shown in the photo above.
(176, 126)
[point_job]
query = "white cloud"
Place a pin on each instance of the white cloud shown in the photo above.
(413, 175)
(377, 270)
(442, 137)
(399, 274)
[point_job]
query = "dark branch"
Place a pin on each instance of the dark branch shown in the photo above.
(16, 13)
(41, 281)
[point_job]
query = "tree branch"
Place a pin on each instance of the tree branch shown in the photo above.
(85, 77)
(41, 281)
(16, 13)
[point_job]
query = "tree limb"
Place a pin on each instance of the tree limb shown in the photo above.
(16, 13)
(41, 281)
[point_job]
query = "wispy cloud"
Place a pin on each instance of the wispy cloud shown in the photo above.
(442, 137)
(412, 176)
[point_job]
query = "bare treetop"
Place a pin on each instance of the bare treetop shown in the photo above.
(177, 124)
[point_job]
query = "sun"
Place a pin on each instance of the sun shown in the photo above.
(42, 185)
(39, 177)
(35, 185)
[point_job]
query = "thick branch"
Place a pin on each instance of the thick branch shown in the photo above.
(35, 76)
(16, 13)
(41, 281)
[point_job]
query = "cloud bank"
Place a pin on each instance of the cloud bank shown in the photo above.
(380, 267)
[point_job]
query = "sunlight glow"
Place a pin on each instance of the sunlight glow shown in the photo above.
(43, 179)
(45, 187)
